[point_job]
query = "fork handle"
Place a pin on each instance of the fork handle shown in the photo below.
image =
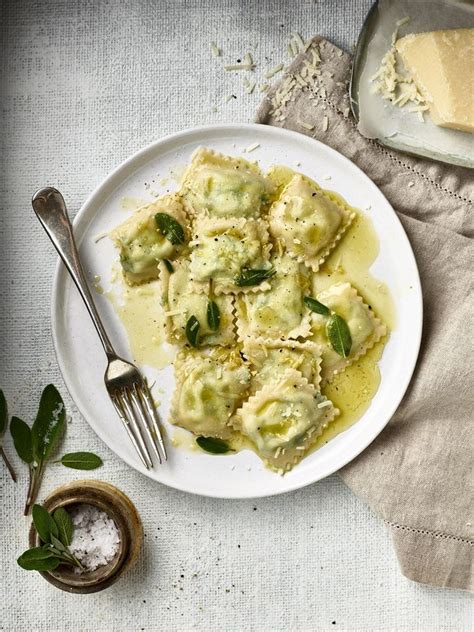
(50, 209)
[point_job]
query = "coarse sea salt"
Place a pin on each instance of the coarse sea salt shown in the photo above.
(96, 538)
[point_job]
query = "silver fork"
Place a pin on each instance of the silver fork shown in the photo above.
(125, 384)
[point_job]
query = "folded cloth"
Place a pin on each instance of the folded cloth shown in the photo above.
(418, 474)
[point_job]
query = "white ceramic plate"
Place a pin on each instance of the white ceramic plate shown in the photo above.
(82, 360)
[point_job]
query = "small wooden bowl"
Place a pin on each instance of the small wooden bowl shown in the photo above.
(121, 509)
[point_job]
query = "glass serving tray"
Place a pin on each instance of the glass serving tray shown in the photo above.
(377, 118)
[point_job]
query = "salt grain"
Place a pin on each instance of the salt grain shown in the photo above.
(96, 538)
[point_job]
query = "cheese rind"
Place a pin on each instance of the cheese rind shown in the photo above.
(442, 66)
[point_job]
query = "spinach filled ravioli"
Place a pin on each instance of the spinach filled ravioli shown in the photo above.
(181, 302)
(249, 297)
(210, 387)
(279, 313)
(142, 244)
(223, 249)
(307, 222)
(222, 187)
(284, 418)
(364, 327)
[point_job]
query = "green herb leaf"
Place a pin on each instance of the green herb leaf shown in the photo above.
(213, 315)
(250, 276)
(38, 559)
(339, 335)
(58, 545)
(3, 413)
(192, 331)
(44, 524)
(316, 306)
(48, 424)
(170, 228)
(64, 523)
(81, 460)
(213, 445)
(169, 266)
(22, 439)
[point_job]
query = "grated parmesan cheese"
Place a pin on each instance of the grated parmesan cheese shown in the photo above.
(307, 126)
(325, 123)
(215, 50)
(324, 404)
(274, 71)
(252, 147)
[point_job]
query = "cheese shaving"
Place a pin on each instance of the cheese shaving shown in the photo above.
(274, 71)
(215, 50)
(307, 126)
(252, 147)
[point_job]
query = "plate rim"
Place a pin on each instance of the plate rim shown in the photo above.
(60, 273)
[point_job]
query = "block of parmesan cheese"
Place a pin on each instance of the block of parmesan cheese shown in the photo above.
(441, 64)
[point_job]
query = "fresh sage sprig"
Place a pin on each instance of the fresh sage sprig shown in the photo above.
(55, 531)
(3, 427)
(170, 228)
(213, 445)
(81, 460)
(36, 445)
(250, 276)
(337, 330)
(192, 331)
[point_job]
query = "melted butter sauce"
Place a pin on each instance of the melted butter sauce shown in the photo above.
(140, 312)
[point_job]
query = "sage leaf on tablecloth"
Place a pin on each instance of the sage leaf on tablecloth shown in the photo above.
(49, 423)
(65, 526)
(339, 335)
(81, 460)
(192, 331)
(213, 445)
(170, 228)
(22, 439)
(213, 315)
(250, 276)
(3, 427)
(44, 523)
(317, 307)
(38, 559)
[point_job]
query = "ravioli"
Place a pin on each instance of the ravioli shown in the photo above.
(269, 359)
(279, 313)
(209, 390)
(222, 187)
(364, 327)
(223, 248)
(181, 302)
(140, 242)
(307, 221)
(284, 418)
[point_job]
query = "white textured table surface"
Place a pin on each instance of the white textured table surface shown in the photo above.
(84, 85)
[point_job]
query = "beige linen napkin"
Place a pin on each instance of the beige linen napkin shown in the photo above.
(418, 474)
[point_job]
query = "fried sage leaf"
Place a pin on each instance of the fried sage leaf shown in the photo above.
(213, 315)
(192, 331)
(170, 228)
(251, 276)
(339, 335)
(317, 307)
(213, 445)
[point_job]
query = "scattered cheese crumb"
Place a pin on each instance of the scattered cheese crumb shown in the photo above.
(274, 71)
(411, 184)
(327, 177)
(252, 147)
(263, 87)
(325, 123)
(231, 67)
(307, 126)
(215, 50)
(324, 404)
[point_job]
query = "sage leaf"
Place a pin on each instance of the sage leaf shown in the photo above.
(213, 315)
(213, 445)
(22, 439)
(192, 331)
(58, 545)
(250, 276)
(169, 265)
(38, 559)
(3, 413)
(316, 306)
(65, 527)
(339, 335)
(48, 424)
(81, 460)
(44, 524)
(170, 228)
